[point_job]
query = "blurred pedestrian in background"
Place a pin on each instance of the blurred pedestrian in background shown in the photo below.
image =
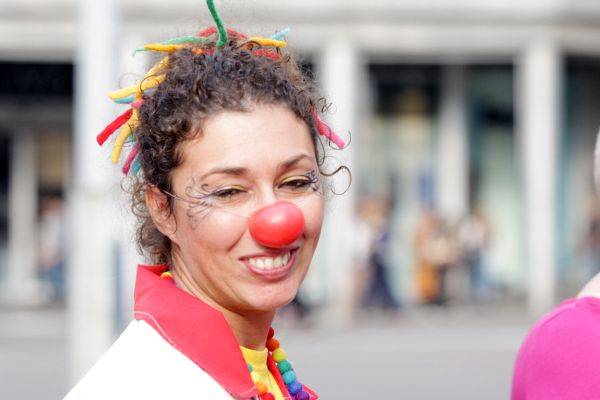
(436, 252)
(474, 236)
(52, 245)
(374, 241)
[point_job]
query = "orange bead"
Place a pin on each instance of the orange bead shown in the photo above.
(272, 344)
(262, 388)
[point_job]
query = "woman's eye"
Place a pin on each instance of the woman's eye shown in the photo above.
(227, 193)
(297, 183)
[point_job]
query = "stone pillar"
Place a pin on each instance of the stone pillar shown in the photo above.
(134, 68)
(339, 72)
(21, 285)
(452, 161)
(539, 87)
(93, 191)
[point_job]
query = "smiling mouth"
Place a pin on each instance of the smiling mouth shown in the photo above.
(272, 266)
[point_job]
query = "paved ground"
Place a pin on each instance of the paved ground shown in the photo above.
(423, 354)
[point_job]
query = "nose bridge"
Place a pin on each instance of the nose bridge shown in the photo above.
(265, 195)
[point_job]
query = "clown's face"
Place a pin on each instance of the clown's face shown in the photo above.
(241, 162)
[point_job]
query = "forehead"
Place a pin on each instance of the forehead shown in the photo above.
(260, 138)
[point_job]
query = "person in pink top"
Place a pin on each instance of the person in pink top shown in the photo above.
(560, 357)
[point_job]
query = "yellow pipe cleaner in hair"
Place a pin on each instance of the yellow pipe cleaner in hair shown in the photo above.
(263, 41)
(118, 147)
(148, 83)
(166, 48)
(158, 67)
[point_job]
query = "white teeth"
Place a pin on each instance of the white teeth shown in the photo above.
(268, 263)
(278, 261)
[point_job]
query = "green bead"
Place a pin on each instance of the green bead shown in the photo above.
(284, 366)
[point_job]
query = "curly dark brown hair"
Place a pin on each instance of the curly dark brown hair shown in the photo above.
(201, 81)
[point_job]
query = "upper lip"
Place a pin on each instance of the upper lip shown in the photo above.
(270, 253)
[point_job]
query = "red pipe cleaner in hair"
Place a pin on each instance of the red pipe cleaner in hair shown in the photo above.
(273, 55)
(113, 126)
(324, 130)
(212, 30)
(130, 158)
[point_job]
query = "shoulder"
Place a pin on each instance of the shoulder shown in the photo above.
(141, 364)
(557, 357)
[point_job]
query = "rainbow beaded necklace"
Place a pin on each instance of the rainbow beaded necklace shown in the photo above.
(279, 355)
(285, 369)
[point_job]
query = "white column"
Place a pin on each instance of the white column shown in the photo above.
(134, 67)
(91, 268)
(539, 83)
(339, 74)
(452, 178)
(21, 286)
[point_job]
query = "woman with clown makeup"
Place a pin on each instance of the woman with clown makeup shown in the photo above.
(226, 154)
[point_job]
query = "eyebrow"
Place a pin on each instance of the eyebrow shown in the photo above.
(241, 171)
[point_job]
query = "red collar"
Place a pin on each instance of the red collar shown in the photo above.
(197, 330)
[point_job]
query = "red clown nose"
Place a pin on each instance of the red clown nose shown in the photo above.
(277, 225)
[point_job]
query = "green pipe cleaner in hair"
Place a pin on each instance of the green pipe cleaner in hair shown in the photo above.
(185, 40)
(219, 22)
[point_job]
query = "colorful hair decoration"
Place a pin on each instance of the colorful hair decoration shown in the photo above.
(133, 95)
(325, 130)
(223, 39)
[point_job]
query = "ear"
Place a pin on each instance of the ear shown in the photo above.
(163, 217)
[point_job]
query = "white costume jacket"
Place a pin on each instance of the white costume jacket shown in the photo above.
(177, 348)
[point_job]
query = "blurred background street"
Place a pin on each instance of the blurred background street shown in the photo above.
(423, 355)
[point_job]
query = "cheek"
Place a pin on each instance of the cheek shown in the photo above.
(211, 229)
(313, 216)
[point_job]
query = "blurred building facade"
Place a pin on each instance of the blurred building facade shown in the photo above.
(452, 105)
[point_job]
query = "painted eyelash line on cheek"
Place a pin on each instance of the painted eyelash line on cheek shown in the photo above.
(198, 206)
(315, 182)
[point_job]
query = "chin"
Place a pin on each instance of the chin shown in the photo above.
(271, 300)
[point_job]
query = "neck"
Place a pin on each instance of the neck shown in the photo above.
(250, 328)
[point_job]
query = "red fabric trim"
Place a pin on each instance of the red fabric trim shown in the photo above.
(194, 328)
(198, 331)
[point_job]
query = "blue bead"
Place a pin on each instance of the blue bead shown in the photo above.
(294, 387)
(284, 366)
(289, 377)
